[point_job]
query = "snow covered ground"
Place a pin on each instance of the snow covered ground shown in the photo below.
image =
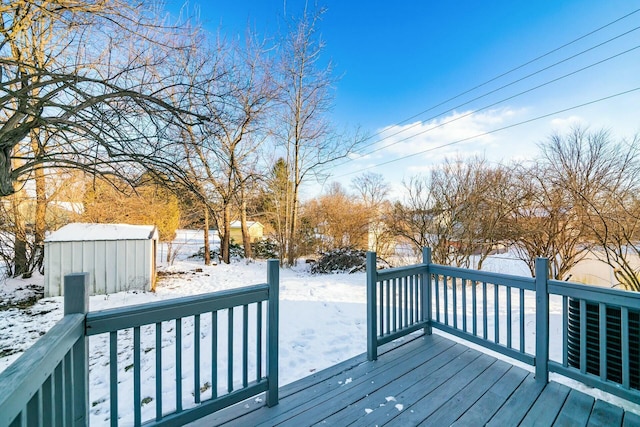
(322, 322)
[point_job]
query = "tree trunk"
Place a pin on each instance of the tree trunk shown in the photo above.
(207, 251)
(224, 243)
(40, 225)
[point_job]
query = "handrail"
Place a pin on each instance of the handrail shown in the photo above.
(99, 322)
(24, 378)
(48, 384)
(496, 305)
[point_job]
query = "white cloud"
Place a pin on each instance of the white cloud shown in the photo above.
(463, 130)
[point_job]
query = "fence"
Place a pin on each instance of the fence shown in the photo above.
(48, 384)
(600, 327)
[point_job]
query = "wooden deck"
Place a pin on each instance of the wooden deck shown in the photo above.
(428, 381)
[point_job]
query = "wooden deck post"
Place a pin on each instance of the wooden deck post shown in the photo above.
(426, 290)
(542, 321)
(372, 339)
(273, 280)
(76, 300)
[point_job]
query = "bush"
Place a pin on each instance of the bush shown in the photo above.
(265, 249)
(341, 260)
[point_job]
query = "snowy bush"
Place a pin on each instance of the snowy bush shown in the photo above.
(341, 260)
(265, 249)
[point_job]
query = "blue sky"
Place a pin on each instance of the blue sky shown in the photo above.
(397, 59)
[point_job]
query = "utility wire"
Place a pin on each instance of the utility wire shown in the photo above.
(509, 71)
(499, 89)
(491, 131)
(497, 102)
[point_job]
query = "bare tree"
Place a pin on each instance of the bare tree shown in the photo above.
(302, 127)
(601, 176)
(547, 223)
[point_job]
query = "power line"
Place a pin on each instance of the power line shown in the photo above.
(498, 102)
(491, 131)
(503, 87)
(509, 71)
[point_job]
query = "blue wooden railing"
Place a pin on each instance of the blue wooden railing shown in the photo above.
(48, 384)
(600, 327)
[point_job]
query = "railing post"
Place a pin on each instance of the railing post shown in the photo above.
(542, 321)
(426, 290)
(273, 280)
(76, 300)
(372, 332)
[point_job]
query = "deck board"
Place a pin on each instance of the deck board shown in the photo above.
(424, 380)
(575, 411)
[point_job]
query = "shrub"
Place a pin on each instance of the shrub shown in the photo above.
(265, 249)
(341, 260)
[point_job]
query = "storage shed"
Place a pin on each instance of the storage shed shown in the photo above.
(118, 257)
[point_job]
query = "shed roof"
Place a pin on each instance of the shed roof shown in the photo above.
(77, 232)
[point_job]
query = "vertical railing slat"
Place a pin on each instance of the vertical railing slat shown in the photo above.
(158, 371)
(34, 411)
(196, 358)
(259, 341)
(436, 280)
(463, 289)
(454, 289)
(137, 414)
(113, 374)
(474, 307)
(68, 389)
(565, 331)
(47, 399)
(484, 311)
(522, 342)
(214, 354)
(496, 313)
(230, 350)
(179, 364)
(245, 345)
(445, 300)
(57, 395)
(509, 328)
(394, 296)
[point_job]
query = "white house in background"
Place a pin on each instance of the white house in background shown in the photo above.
(256, 231)
(118, 257)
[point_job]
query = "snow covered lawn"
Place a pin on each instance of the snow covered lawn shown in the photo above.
(322, 322)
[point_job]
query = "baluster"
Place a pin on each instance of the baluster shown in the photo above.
(522, 321)
(179, 364)
(445, 295)
(509, 330)
(245, 345)
(454, 286)
(137, 400)
(437, 283)
(464, 304)
(496, 314)
(259, 343)
(158, 371)
(484, 310)
(113, 382)
(474, 307)
(230, 351)
(214, 354)
(196, 358)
